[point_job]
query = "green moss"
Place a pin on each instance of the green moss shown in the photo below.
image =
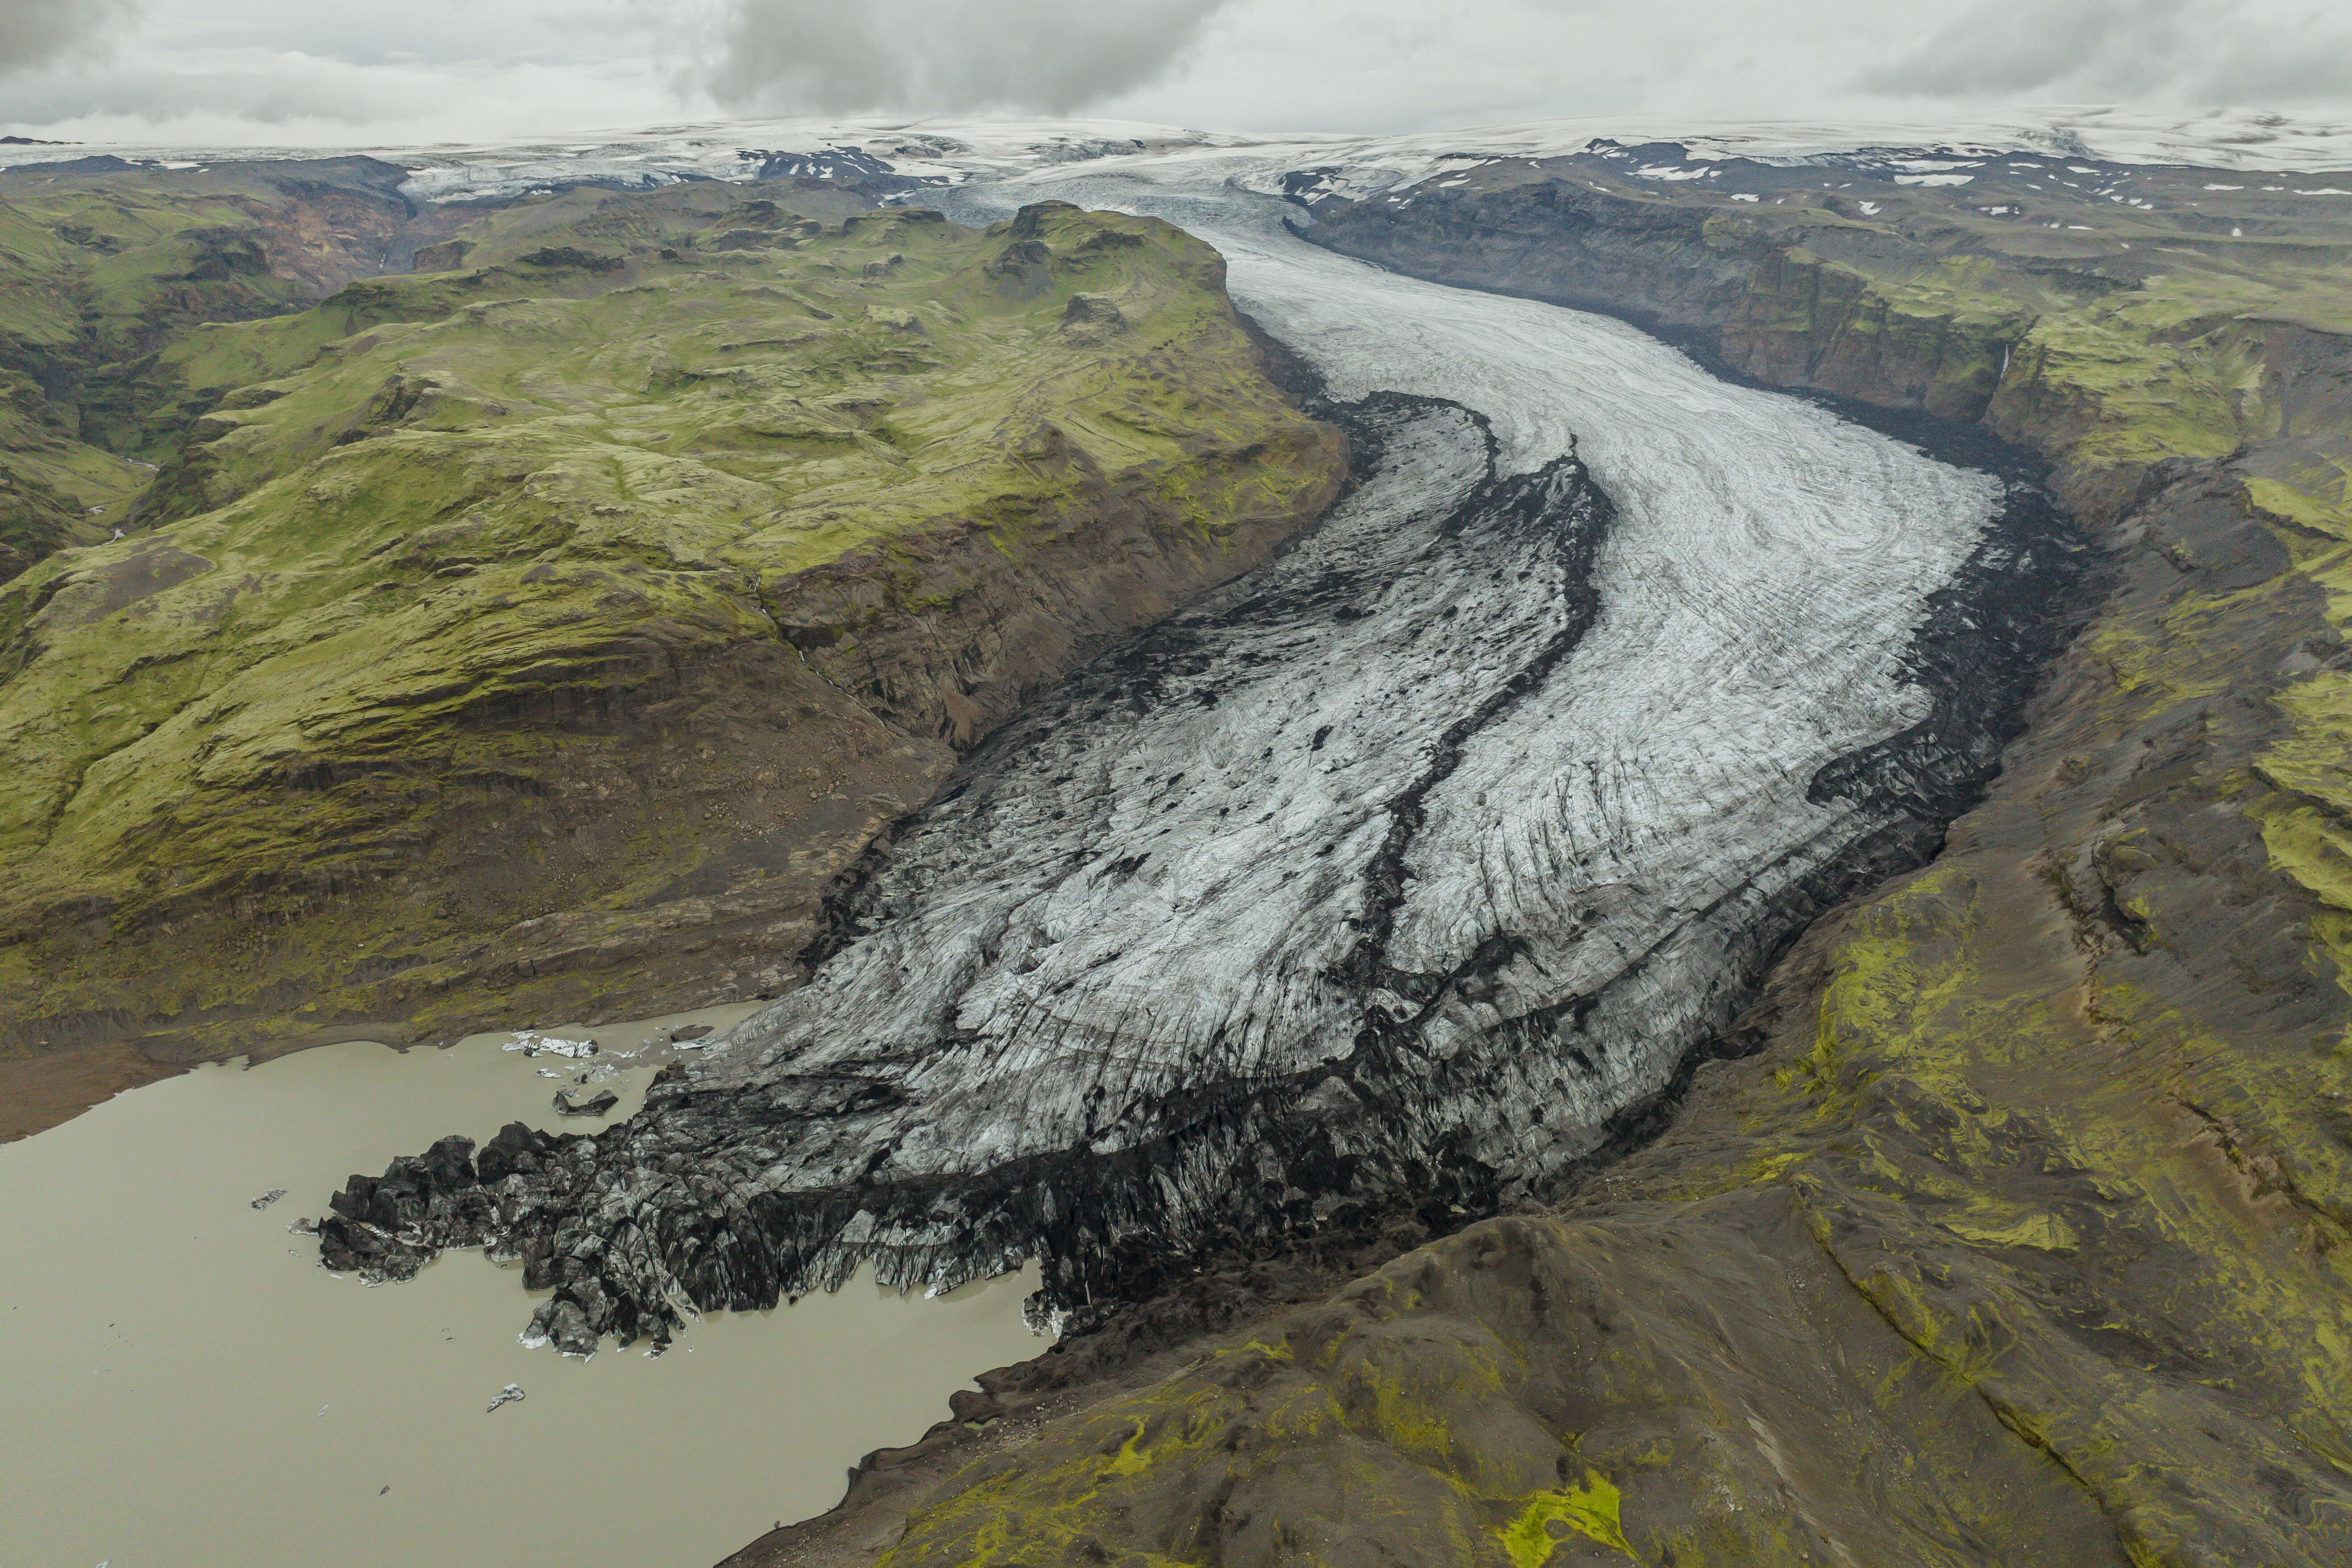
(2173, 368)
(453, 507)
(2098, 374)
(1889, 990)
(1970, 1099)
(96, 274)
(2326, 513)
(1589, 1510)
(2043, 1232)
(2151, 668)
(2305, 826)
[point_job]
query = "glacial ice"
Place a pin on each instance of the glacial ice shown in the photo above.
(1389, 873)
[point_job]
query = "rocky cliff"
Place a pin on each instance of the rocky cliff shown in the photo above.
(555, 629)
(2010, 1228)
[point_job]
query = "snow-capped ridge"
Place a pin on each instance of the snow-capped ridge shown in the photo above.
(956, 152)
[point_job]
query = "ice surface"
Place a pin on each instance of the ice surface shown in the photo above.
(955, 151)
(1394, 870)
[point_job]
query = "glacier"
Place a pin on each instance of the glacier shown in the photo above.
(1401, 871)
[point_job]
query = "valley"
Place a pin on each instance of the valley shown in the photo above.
(1606, 846)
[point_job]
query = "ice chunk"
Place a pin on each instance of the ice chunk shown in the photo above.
(531, 1043)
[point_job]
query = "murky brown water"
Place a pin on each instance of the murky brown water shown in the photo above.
(181, 1387)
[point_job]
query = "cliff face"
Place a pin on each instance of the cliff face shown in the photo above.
(2107, 317)
(556, 630)
(2015, 1233)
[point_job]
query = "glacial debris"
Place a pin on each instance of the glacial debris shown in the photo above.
(1147, 979)
(815, 1102)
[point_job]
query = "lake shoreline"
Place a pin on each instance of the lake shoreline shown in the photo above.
(166, 1308)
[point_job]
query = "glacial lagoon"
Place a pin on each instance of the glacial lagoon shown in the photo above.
(187, 1386)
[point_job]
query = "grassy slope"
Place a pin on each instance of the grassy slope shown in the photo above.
(98, 270)
(445, 522)
(54, 486)
(103, 270)
(2024, 1239)
(2069, 1113)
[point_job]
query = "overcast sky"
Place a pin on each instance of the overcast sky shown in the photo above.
(337, 72)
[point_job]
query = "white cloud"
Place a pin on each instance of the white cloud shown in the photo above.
(298, 71)
(238, 98)
(273, 89)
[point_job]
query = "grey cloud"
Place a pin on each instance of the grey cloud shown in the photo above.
(2306, 66)
(2198, 51)
(36, 32)
(267, 90)
(2006, 47)
(935, 55)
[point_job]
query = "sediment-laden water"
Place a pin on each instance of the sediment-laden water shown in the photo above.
(1389, 874)
(185, 1385)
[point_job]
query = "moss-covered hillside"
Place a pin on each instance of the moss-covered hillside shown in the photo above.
(102, 263)
(553, 630)
(2021, 1237)
(105, 266)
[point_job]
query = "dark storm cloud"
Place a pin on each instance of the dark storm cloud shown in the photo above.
(36, 32)
(2307, 66)
(939, 56)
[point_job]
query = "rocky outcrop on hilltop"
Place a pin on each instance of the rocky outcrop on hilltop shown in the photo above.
(555, 630)
(2019, 1239)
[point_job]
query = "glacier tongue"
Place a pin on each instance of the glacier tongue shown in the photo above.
(1390, 873)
